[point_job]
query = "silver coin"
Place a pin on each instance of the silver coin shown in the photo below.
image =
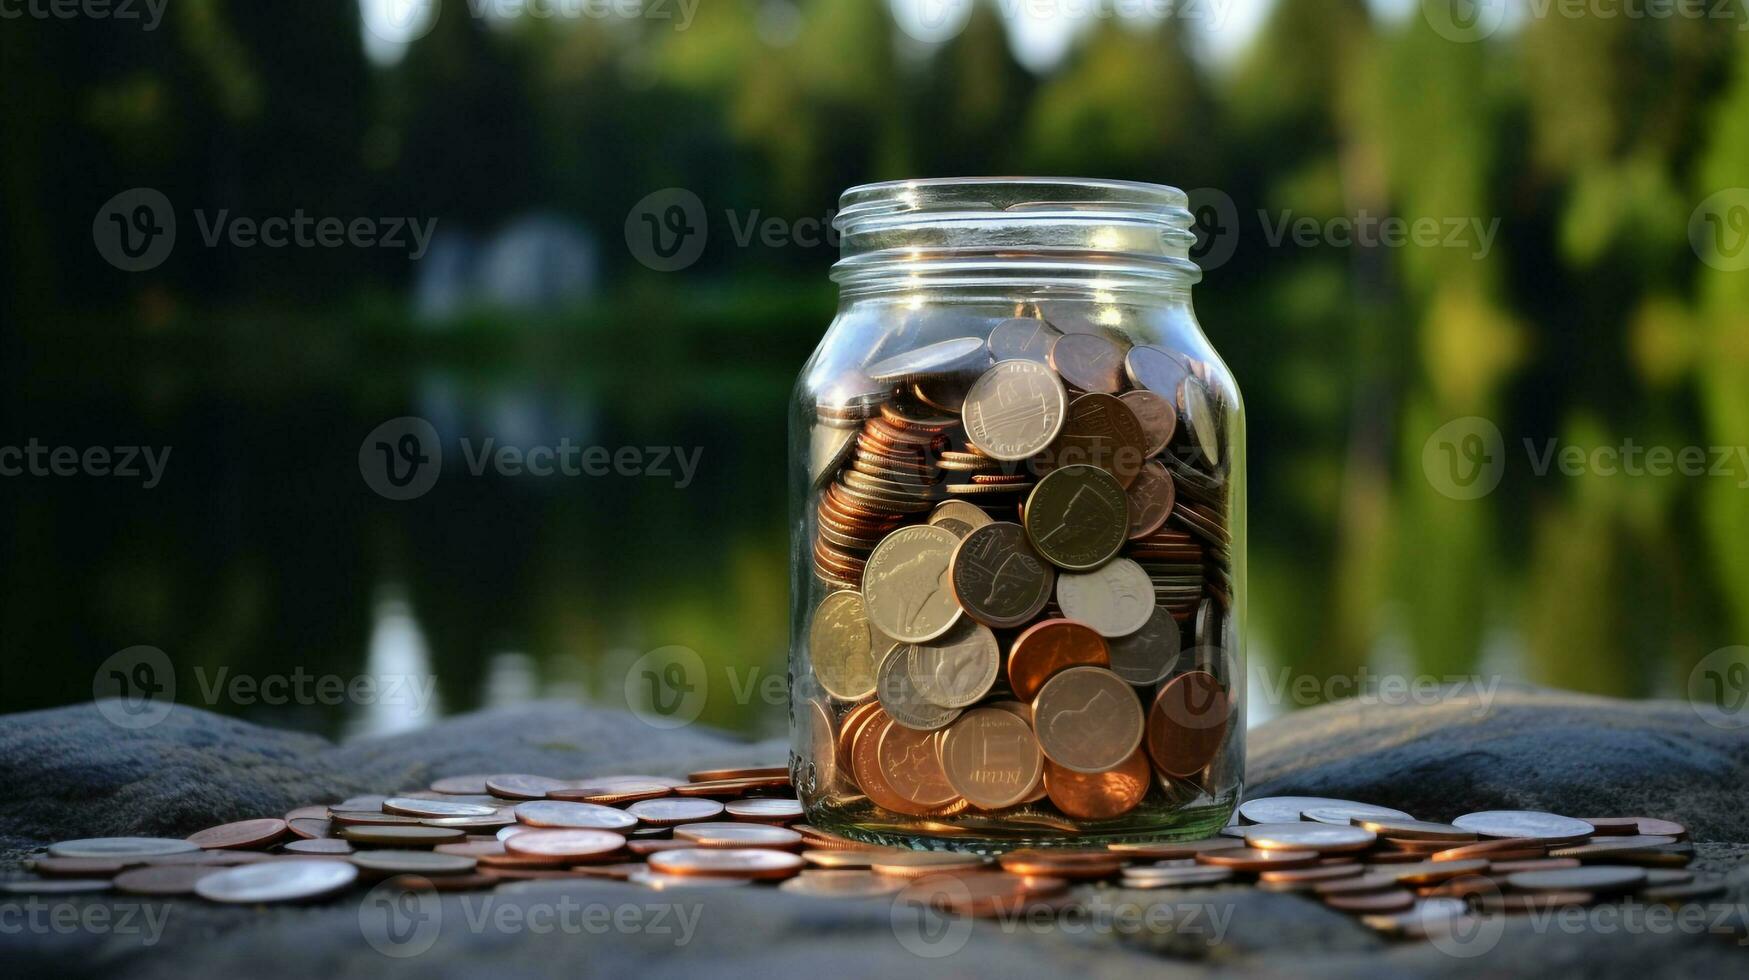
(960, 353)
(1199, 410)
(1156, 369)
(54, 886)
(1288, 809)
(1302, 836)
(1342, 815)
(104, 847)
(900, 697)
(279, 881)
(573, 816)
(1153, 877)
(1149, 654)
(435, 808)
(1532, 824)
(1023, 337)
(413, 862)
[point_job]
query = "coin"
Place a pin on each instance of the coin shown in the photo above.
(997, 577)
(310, 828)
(990, 757)
(460, 785)
(1116, 599)
(396, 836)
(1287, 809)
(56, 886)
(1505, 848)
(839, 646)
(519, 786)
(1323, 838)
(435, 808)
(956, 670)
(1592, 878)
(279, 881)
(166, 879)
(904, 587)
(318, 846)
(242, 834)
(1257, 859)
(1089, 362)
(1087, 719)
(1198, 407)
(1101, 431)
(1387, 900)
(959, 353)
(1413, 829)
(1174, 850)
(1151, 498)
(666, 813)
(917, 864)
(1015, 409)
(732, 862)
(568, 844)
(1027, 338)
(1099, 795)
(961, 511)
(1342, 814)
(1175, 877)
(1148, 655)
(1527, 824)
(573, 816)
(657, 881)
(1053, 863)
(1187, 724)
(612, 790)
(740, 835)
(731, 787)
(744, 772)
(1077, 517)
(908, 761)
(1156, 369)
(1158, 416)
(841, 884)
(766, 810)
(1050, 646)
(120, 847)
(900, 697)
(413, 862)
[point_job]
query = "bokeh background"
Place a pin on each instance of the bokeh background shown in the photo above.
(1611, 150)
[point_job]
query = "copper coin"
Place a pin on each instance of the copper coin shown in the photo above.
(278, 881)
(568, 844)
(401, 836)
(1531, 864)
(1388, 900)
(307, 813)
(668, 812)
(1024, 337)
(1308, 876)
(916, 864)
(1099, 795)
(1256, 859)
(990, 758)
(1158, 416)
(59, 867)
(436, 808)
(1323, 838)
(869, 773)
(1087, 719)
(1413, 829)
(771, 810)
(1504, 848)
(520, 786)
(960, 510)
(309, 828)
(1595, 878)
(1050, 646)
(1187, 724)
(738, 835)
(1625, 826)
(1073, 865)
(997, 577)
(732, 787)
(1015, 409)
(1100, 431)
(169, 879)
(734, 862)
(317, 846)
(743, 772)
(461, 785)
(1174, 850)
(1156, 369)
(1369, 881)
(371, 818)
(842, 884)
(1524, 824)
(1077, 517)
(573, 816)
(1432, 872)
(1089, 362)
(1151, 498)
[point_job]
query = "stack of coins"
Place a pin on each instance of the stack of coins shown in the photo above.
(1016, 541)
(516, 832)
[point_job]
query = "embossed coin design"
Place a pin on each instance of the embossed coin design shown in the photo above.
(958, 669)
(1047, 647)
(1089, 362)
(1015, 409)
(900, 697)
(1148, 655)
(998, 578)
(1158, 416)
(1087, 719)
(1077, 517)
(990, 758)
(905, 590)
(1099, 795)
(1027, 338)
(842, 647)
(1116, 599)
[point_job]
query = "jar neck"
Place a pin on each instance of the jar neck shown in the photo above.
(1060, 236)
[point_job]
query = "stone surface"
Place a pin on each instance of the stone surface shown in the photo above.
(69, 773)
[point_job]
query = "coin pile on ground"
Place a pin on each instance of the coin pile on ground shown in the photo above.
(1024, 578)
(1398, 874)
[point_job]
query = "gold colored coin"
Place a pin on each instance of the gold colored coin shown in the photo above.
(841, 647)
(958, 669)
(904, 585)
(1077, 517)
(1088, 720)
(1116, 599)
(997, 577)
(991, 758)
(1015, 409)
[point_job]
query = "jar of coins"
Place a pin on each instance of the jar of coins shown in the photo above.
(1018, 513)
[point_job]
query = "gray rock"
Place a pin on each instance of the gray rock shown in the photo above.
(68, 773)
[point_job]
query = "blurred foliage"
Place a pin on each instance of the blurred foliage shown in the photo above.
(1589, 320)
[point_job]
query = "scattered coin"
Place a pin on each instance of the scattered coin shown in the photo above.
(573, 816)
(736, 862)
(1524, 824)
(842, 884)
(120, 847)
(436, 808)
(1256, 859)
(317, 846)
(1590, 878)
(668, 812)
(579, 845)
(1395, 827)
(1072, 865)
(413, 862)
(395, 836)
(1175, 877)
(766, 810)
(913, 864)
(520, 786)
(165, 879)
(280, 881)
(1323, 838)
(738, 835)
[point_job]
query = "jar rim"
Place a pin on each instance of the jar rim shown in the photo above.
(1019, 197)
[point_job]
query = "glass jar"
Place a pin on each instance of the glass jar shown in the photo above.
(1017, 484)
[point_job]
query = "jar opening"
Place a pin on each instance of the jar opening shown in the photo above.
(945, 231)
